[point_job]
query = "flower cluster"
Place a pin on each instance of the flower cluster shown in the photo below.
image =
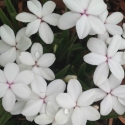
(24, 87)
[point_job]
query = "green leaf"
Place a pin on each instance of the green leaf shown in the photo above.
(25, 123)
(10, 6)
(4, 19)
(62, 73)
(111, 115)
(91, 123)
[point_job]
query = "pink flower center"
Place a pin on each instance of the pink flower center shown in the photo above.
(41, 19)
(9, 84)
(107, 58)
(85, 13)
(43, 99)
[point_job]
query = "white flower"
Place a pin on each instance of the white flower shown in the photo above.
(11, 46)
(106, 59)
(76, 105)
(84, 14)
(111, 23)
(49, 116)
(14, 83)
(39, 63)
(108, 41)
(39, 19)
(113, 95)
(45, 94)
(19, 105)
(123, 30)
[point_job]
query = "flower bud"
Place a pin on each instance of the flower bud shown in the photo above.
(68, 77)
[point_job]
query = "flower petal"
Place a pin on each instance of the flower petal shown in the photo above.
(24, 44)
(106, 105)
(105, 86)
(119, 91)
(32, 107)
(85, 3)
(74, 89)
(103, 37)
(65, 100)
(48, 8)
(100, 94)
(78, 117)
(40, 84)
(87, 98)
(3, 89)
(21, 78)
(117, 106)
(97, 46)
(26, 17)
(4, 47)
(11, 71)
(35, 7)
(101, 73)
(47, 73)
(23, 67)
(97, 25)
(114, 82)
(46, 60)
(8, 56)
(83, 27)
(96, 7)
(44, 119)
(116, 69)
(33, 27)
(118, 57)
(114, 18)
(7, 35)
(61, 117)
(68, 20)
(18, 107)
(74, 5)
(20, 34)
(94, 59)
(46, 33)
(56, 86)
(114, 45)
(26, 58)
(103, 16)
(2, 77)
(122, 101)
(21, 90)
(91, 113)
(52, 19)
(8, 101)
(36, 70)
(36, 51)
(114, 29)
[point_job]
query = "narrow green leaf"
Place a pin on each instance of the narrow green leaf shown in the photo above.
(82, 69)
(10, 6)
(91, 123)
(25, 123)
(4, 19)
(62, 73)
(111, 115)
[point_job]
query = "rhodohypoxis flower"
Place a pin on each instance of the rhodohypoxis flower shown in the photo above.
(11, 46)
(76, 105)
(84, 14)
(39, 19)
(113, 95)
(45, 94)
(111, 23)
(12, 84)
(106, 59)
(49, 116)
(38, 62)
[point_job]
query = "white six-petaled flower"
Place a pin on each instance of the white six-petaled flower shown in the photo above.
(11, 46)
(106, 59)
(39, 19)
(13, 83)
(84, 14)
(113, 95)
(76, 105)
(38, 62)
